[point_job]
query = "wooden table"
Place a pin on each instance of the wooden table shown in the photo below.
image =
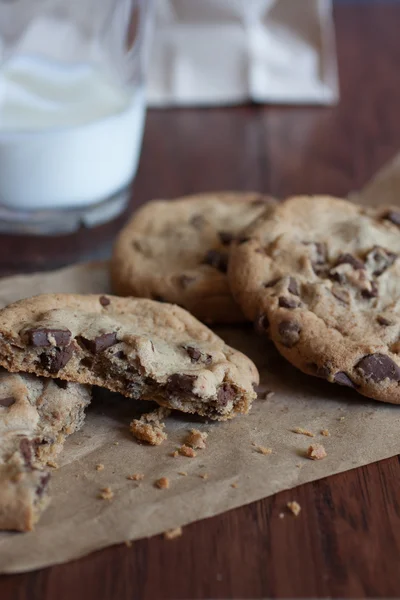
(346, 542)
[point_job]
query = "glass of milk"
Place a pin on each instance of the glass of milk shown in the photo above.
(72, 110)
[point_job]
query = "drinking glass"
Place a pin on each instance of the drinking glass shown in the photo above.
(72, 110)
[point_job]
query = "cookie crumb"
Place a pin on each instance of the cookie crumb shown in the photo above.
(106, 493)
(294, 507)
(162, 483)
(52, 464)
(325, 432)
(234, 485)
(183, 473)
(116, 443)
(187, 451)
(196, 439)
(269, 395)
(204, 475)
(171, 534)
(341, 419)
(149, 427)
(100, 467)
(262, 449)
(136, 477)
(174, 454)
(128, 543)
(316, 452)
(302, 431)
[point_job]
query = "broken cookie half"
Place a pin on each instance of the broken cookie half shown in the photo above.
(140, 348)
(36, 416)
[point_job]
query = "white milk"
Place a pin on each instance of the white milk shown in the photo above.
(68, 138)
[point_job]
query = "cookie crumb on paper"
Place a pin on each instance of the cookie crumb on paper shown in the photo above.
(302, 431)
(172, 534)
(183, 473)
(52, 464)
(100, 467)
(316, 452)
(187, 451)
(149, 427)
(162, 483)
(106, 493)
(294, 507)
(325, 432)
(262, 449)
(136, 476)
(196, 439)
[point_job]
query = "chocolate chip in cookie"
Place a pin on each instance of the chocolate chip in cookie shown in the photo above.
(378, 367)
(7, 402)
(100, 342)
(45, 336)
(56, 359)
(289, 332)
(216, 259)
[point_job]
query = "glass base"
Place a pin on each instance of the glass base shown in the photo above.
(64, 221)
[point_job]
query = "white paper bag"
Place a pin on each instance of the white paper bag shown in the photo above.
(216, 52)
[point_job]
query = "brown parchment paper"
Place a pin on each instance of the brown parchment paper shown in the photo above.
(78, 522)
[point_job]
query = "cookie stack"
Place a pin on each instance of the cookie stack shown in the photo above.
(319, 276)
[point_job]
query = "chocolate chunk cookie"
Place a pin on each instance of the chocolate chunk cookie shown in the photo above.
(322, 276)
(177, 251)
(36, 415)
(138, 347)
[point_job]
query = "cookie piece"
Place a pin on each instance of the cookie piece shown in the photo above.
(322, 276)
(36, 415)
(177, 251)
(138, 347)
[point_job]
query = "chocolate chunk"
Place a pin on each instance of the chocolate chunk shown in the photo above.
(186, 280)
(383, 321)
(196, 355)
(137, 245)
(322, 371)
(56, 359)
(226, 237)
(293, 286)
(288, 302)
(349, 259)
(25, 447)
(372, 293)
(44, 480)
(61, 383)
(378, 367)
(134, 389)
(100, 342)
(6, 402)
(197, 221)
(379, 259)
(289, 332)
(179, 382)
(342, 379)
(242, 239)
(272, 282)
(39, 337)
(261, 324)
(342, 295)
(86, 362)
(120, 354)
(226, 393)
(104, 301)
(393, 216)
(216, 259)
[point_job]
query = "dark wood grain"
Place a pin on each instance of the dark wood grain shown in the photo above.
(346, 542)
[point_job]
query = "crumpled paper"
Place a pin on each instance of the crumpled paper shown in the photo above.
(218, 52)
(230, 472)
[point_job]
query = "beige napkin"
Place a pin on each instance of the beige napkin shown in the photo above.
(212, 52)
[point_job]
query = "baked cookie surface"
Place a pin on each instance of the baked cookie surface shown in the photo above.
(141, 348)
(36, 416)
(177, 251)
(322, 276)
